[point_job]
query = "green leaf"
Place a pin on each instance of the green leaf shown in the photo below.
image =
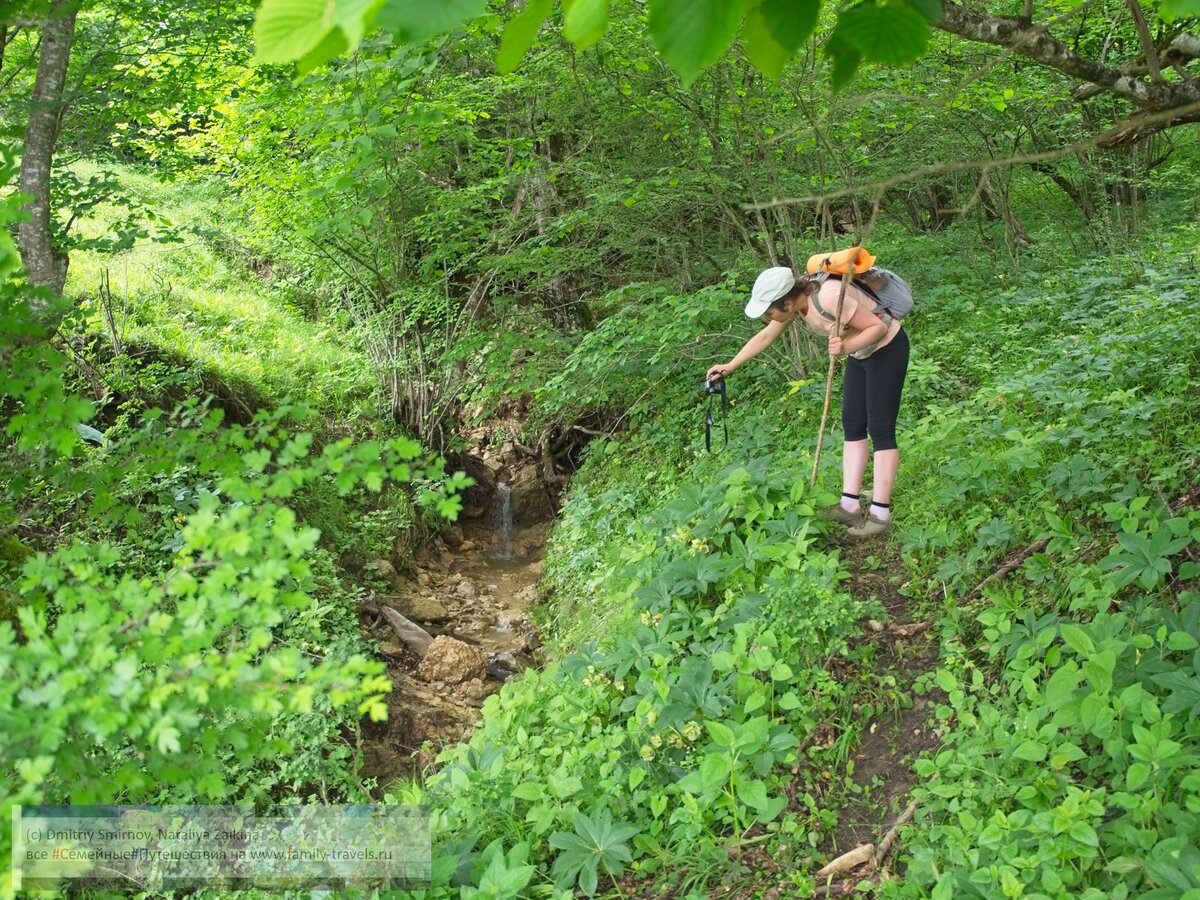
(500, 881)
(931, 10)
(168, 739)
(1099, 669)
(564, 786)
(714, 770)
(790, 22)
(1137, 776)
(692, 34)
(1066, 753)
(946, 680)
(721, 733)
(844, 58)
(588, 877)
(1077, 639)
(762, 49)
(415, 20)
(530, 790)
(520, 33)
(886, 33)
(1181, 640)
(285, 30)
(289, 30)
(585, 22)
(754, 794)
(1030, 750)
(334, 44)
(1061, 686)
(1084, 833)
(1170, 10)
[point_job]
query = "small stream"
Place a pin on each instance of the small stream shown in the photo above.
(471, 589)
(502, 523)
(503, 623)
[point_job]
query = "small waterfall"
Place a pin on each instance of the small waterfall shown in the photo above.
(502, 522)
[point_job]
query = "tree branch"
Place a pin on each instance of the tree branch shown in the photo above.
(1129, 130)
(1181, 50)
(1139, 21)
(1035, 42)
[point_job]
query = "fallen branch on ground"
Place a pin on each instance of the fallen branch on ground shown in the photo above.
(407, 631)
(873, 855)
(1014, 563)
(847, 861)
(889, 839)
(906, 630)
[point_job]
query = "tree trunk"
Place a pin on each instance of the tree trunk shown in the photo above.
(4, 42)
(45, 263)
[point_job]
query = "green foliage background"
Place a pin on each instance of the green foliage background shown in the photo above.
(283, 288)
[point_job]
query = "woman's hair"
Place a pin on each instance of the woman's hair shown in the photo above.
(805, 284)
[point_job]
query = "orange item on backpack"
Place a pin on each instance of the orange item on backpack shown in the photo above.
(856, 260)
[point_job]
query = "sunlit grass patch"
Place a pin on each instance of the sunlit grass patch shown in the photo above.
(193, 300)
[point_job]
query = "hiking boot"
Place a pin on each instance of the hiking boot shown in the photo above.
(838, 513)
(870, 527)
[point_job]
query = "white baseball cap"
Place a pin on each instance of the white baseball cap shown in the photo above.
(769, 287)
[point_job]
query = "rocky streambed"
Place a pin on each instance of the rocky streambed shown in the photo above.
(452, 628)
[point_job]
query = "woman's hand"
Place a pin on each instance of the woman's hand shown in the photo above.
(718, 371)
(837, 346)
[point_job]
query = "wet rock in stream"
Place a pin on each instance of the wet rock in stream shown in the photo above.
(452, 661)
(417, 607)
(503, 666)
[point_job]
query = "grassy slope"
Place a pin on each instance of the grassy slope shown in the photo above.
(1056, 405)
(195, 301)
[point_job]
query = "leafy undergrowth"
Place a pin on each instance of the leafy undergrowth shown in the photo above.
(685, 724)
(712, 724)
(1069, 764)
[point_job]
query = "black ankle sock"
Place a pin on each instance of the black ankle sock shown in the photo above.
(851, 496)
(881, 505)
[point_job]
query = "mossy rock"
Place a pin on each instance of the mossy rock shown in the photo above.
(13, 553)
(12, 556)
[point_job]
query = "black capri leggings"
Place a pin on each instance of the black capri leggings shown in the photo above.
(871, 394)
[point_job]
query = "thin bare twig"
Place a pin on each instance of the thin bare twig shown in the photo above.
(1010, 566)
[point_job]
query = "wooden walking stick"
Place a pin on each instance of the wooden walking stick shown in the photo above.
(837, 330)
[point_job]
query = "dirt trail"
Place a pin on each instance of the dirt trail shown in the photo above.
(882, 762)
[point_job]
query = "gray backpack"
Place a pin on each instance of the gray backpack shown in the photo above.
(891, 293)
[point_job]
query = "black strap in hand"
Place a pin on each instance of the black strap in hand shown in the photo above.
(715, 386)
